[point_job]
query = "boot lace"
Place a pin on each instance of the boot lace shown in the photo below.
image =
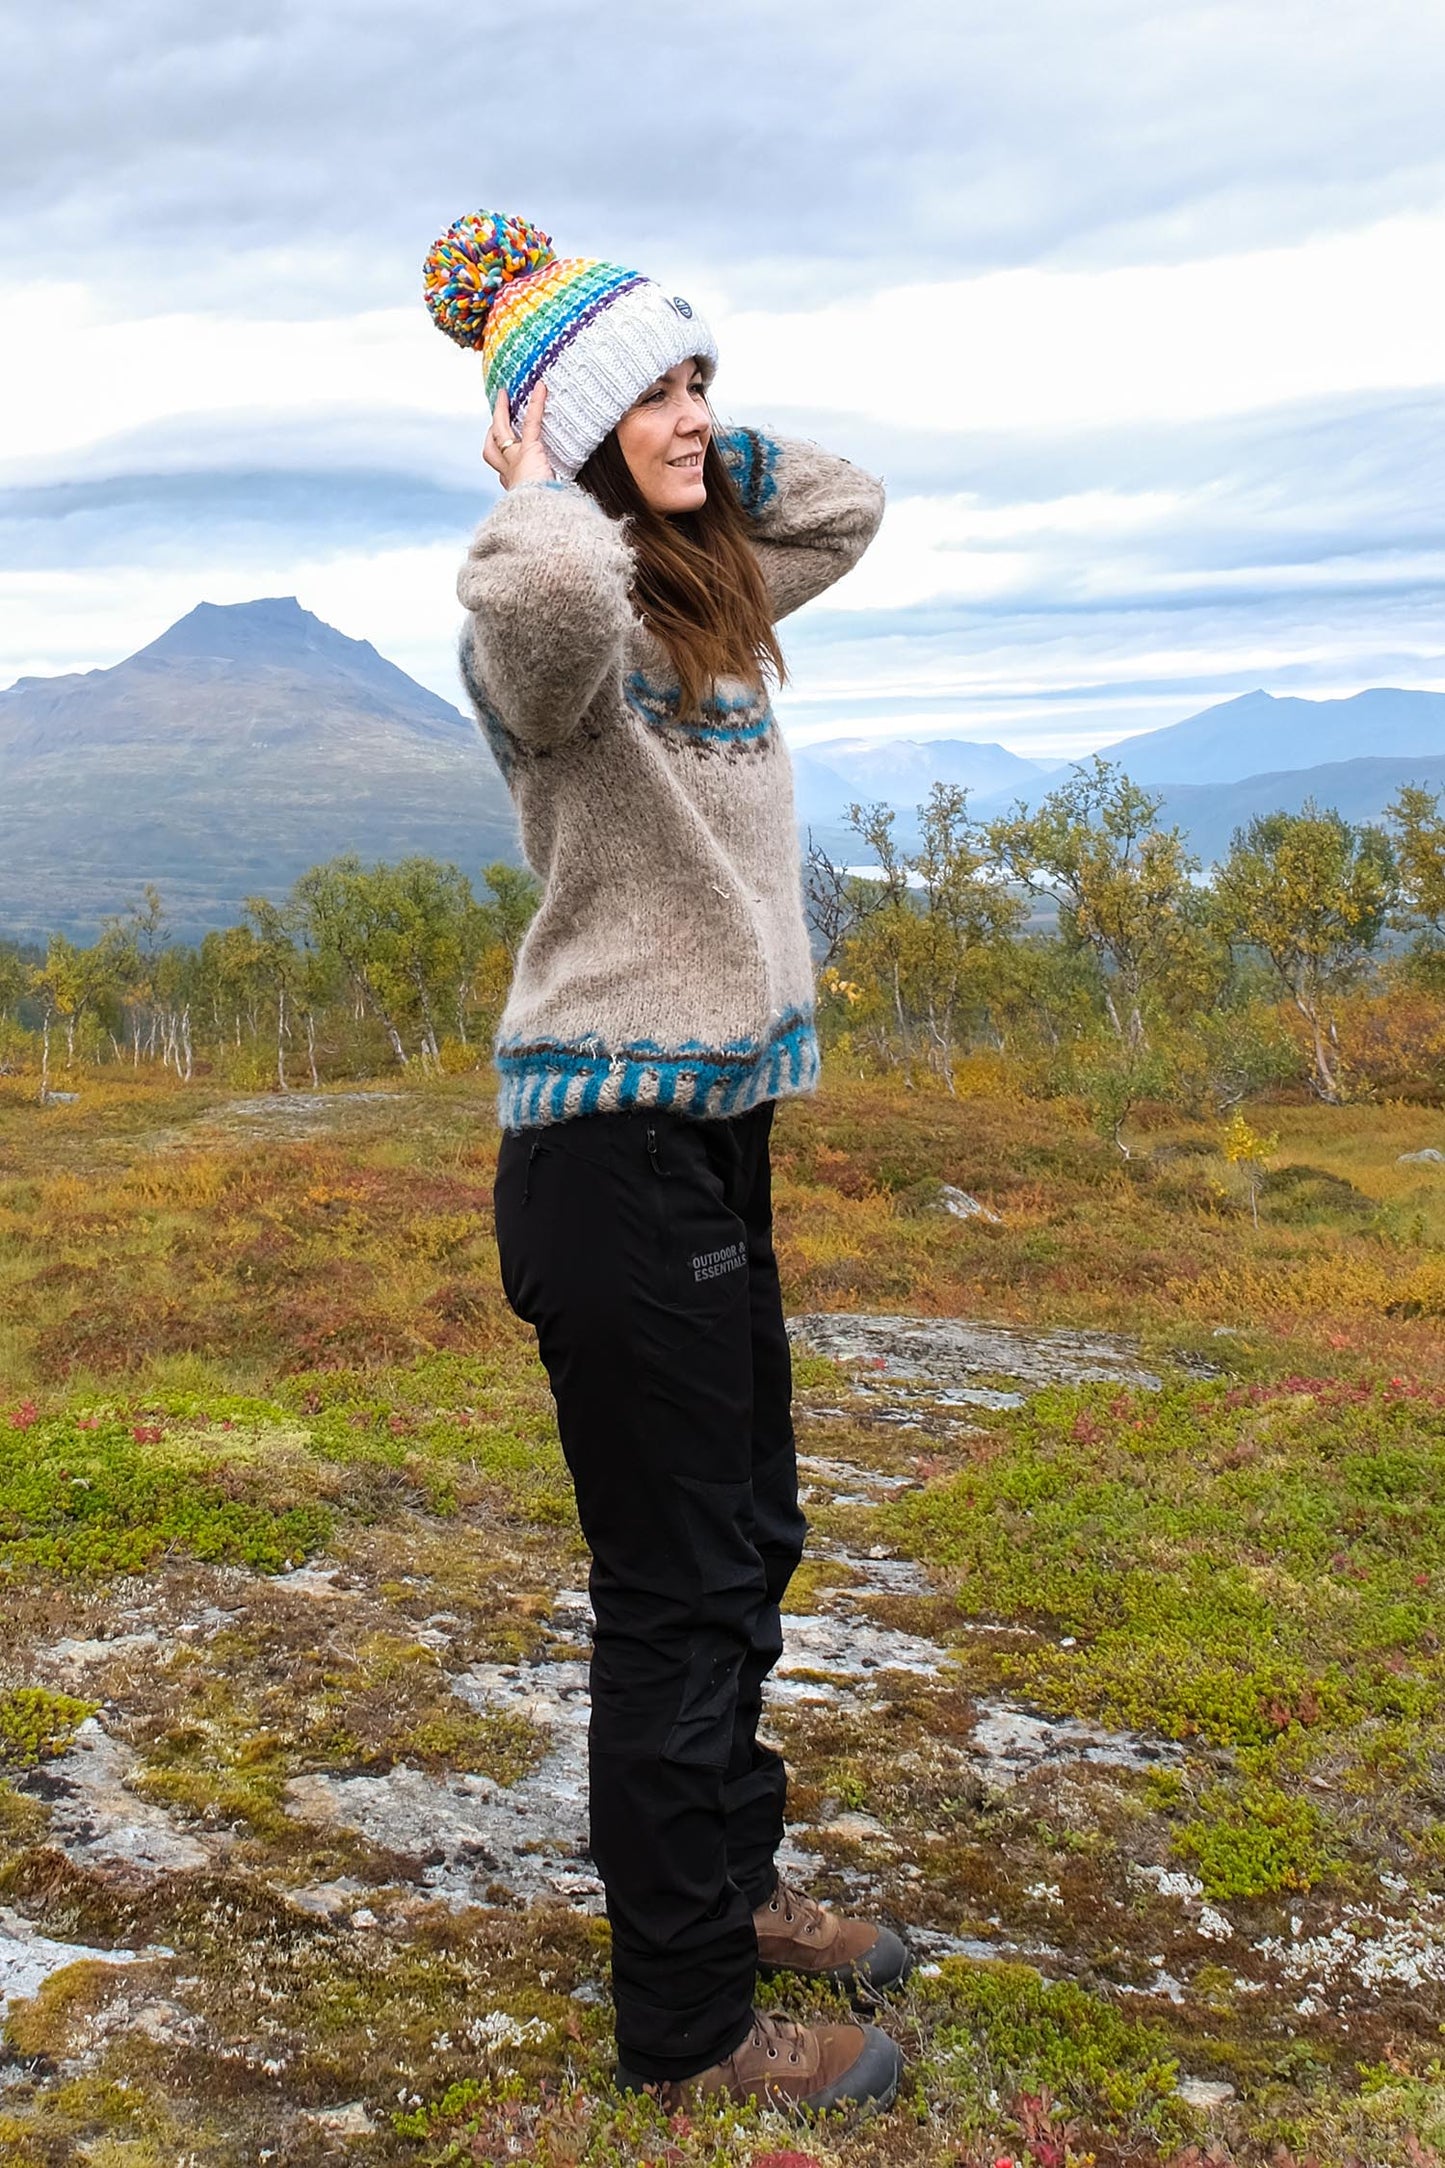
(798, 1908)
(774, 2035)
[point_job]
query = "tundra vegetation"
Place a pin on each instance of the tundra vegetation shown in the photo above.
(1146, 1741)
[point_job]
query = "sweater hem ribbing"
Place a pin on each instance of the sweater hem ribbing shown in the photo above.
(546, 1081)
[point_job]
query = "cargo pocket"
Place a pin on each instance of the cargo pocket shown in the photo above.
(702, 1245)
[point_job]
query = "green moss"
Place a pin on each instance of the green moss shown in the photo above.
(1163, 1790)
(846, 1782)
(504, 1748)
(42, 2024)
(818, 1373)
(22, 1820)
(101, 1495)
(1217, 1989)
(1230, 1561)
(1256, 1841)
(1005, 2032)
(256, 1706)
(1303, 1196)
(36, 1724)
(109, 2123)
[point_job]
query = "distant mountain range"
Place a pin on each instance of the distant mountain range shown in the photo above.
(251, 741)
(1209, 813)
(900, 772)
(1257, 733)
(1215, 770)
(244, 745)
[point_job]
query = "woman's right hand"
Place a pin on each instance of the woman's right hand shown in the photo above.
(518, 458)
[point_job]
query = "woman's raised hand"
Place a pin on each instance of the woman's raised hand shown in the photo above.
(518, 458)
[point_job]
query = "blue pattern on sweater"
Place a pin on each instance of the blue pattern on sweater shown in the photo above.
(499, 738)
(744, 719)
(537, 1078)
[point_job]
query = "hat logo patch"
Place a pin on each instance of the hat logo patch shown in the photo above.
(682, 307)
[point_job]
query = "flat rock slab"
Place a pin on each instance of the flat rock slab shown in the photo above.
(99, 1822)
(475, 1839)
(474, 1836)
(1010, 1743)
(944, 1354)
(838, 1647)
(297, 1114)
(28, 1958)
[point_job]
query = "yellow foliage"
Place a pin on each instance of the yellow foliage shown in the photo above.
(1311, 1286)
(832, 982)
(461, 1060)
(194, 1181)
(1243, 1146)
(441, 1233)
(1422, 1292)
(66, 1193)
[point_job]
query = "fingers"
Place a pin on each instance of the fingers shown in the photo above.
(499, 432)
(517, 456)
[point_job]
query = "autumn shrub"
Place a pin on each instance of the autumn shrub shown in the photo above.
(1393, 1041)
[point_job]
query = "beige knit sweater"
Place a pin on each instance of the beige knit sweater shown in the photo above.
(668, 964)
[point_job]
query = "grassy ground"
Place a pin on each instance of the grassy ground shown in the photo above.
(234, 1339)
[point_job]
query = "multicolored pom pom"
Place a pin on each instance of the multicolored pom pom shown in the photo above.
(468, 267)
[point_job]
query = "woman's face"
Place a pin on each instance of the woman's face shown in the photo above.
(663, 436)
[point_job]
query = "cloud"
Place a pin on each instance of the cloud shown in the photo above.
(1135, 308)
(1349, 312)
(305, 151)
(1083, 583)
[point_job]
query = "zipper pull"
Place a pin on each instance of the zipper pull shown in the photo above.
(527, 1178)
(657, 1166)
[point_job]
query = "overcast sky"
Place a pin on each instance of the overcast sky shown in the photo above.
(1138, 309)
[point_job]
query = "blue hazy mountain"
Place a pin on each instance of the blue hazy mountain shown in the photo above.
(900, 772)
(246, 743)
(1361, 790)
(1215, 770)
(1258, 734)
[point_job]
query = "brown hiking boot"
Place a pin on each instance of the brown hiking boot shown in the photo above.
(785, 2065)
(798, 1934)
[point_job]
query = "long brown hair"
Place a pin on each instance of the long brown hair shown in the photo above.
(698, 585)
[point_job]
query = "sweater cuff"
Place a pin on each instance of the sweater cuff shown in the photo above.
(751, 459)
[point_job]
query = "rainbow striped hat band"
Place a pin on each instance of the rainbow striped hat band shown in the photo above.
(597, 334)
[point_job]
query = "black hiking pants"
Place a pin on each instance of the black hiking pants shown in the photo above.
(640, 1247)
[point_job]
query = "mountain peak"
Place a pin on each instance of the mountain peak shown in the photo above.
(274, 628)
(1263, 733)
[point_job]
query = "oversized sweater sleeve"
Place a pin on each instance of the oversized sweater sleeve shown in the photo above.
(546, 585)
(813, 513)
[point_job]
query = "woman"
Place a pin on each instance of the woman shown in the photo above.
(621, 602)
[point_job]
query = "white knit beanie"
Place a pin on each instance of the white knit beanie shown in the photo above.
(596, 334)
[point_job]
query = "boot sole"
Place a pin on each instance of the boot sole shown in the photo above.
(891, 1957)
(870, 2083)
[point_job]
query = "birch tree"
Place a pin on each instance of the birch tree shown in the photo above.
(1313, 894)
(1125, 886)
(1419, 840)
